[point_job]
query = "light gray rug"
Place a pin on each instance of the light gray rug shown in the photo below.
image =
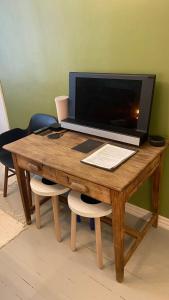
(9, 228)
(12, 204)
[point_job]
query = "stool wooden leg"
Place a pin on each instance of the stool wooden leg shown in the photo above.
(98, 243)
(73, 230)
(55, 205)
(37, 210)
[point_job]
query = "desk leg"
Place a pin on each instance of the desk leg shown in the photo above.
(118, 212)
(22, 182)
(155, 193)
(29, 189)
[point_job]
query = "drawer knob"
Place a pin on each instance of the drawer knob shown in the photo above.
(78, 187)
(33, 167)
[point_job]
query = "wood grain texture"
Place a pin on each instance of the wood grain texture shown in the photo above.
(55, 205)
(5, 182)
(99, 254)
(37, 210)
(22, 182)
(29, 189)
(73, 231)
(118, 212)
(85, 186)
(155, 192)
(58, 154)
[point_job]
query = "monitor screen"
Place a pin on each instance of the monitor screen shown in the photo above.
(115, 102)
(110, 103)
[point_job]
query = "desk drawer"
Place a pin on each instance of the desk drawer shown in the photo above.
(89, 188)
(30, 165)
(81, 185)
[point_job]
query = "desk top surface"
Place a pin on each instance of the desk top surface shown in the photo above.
(58, 154)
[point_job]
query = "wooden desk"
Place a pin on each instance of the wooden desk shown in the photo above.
(55, 160)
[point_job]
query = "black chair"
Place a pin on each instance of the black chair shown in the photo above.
(5, 156)
(37, 121)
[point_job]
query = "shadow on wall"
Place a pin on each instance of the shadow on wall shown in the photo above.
(4, 124)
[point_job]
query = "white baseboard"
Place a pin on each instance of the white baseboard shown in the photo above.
(141, 212)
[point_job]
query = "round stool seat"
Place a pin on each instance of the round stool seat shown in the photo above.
(79, 207)
(42, 189)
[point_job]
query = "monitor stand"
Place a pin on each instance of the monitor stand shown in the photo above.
(107, 134)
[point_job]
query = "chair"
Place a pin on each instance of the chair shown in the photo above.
(5, 156)
(88, 207)
(43, 187)
(37, 121)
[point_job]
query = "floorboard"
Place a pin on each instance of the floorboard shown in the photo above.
(35, 266)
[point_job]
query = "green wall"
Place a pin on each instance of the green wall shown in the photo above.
(42, 40)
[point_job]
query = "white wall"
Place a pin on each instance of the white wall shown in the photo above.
(4, 124)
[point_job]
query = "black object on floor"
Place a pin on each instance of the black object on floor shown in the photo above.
(87, 146)
(92, 224)
(47, 181)
(89, 200)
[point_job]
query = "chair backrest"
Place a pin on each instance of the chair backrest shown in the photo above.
(38, 121)
(11, 136)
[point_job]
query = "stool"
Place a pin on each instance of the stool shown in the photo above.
(96, 211)
(48, 190)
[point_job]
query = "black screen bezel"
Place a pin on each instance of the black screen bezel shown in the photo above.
(146, 97)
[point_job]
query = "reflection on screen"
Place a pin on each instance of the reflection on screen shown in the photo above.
(108, 102)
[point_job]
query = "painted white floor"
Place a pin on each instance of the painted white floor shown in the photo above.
(9, 228)
(36, 267)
